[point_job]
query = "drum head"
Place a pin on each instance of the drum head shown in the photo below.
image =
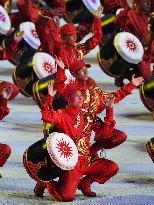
(43, 64)
(92, 5)
(5, 23)
(30, 34)
(62, 150)
(129, 47)
(130, 3)
(69, 77)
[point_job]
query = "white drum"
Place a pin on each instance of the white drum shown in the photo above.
(5, 23)
(92, 5)
(129, 47)
(30, 34)
(43, 64)
(62, 150)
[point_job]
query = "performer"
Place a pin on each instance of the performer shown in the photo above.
(69, 50)
(7, 92)
(138, 22)
(95, 101)
(29, 10)
(71, 122)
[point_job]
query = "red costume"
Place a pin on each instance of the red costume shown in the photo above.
(106, 136)
(71, 122)
(5, 150)
(71, 53)
(4, 110)
(28, 12)
(137, 22)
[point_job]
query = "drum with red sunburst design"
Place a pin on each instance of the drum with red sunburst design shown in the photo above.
(28, 45)
(40, 90)
(120, 54)
(46, 160)
(26, 74)
(5, 23)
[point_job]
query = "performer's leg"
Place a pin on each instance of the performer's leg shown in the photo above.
(108, 142)
(5, 152)
(99, 171)
(65, 188)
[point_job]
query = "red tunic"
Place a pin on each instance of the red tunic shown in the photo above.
(69, 120)
(68, 54)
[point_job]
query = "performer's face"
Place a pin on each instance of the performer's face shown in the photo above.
(70, 39)
(82, 74)
(76, 99)
(145, 5)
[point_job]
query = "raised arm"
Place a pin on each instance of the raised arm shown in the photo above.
(48, 113)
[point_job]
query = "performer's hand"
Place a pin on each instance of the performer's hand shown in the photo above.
(7, 91)
(137, 81)
(51, 91)
(59, 62)
(109, 100)
(18, 36)
(99, 11)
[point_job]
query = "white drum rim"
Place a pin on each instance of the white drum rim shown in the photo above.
(90, 7)
(7, 27)
(75, 160)
(124, 54)
(36, 56)
(33, 43)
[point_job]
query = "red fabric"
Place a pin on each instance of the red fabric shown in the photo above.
(57, 4)
(68, 28)
(5, 152)
(69, 54)
(101, 170)
(145, 70)
(27, 12)
(69, 89)
(77, 65)
(48, 34)
(4, 110)
(64, 119)
(15, 91)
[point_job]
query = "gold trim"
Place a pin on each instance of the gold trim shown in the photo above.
(143, 98)
(18, 84)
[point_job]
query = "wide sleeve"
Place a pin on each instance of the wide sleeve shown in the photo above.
(92, 42)
(60, 80)
(48, 113)
(123, 92)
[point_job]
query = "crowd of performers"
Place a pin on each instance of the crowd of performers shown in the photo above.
(72, 108)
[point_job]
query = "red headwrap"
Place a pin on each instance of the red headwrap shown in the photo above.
(68, 28)
(69, 90)
(77, 65)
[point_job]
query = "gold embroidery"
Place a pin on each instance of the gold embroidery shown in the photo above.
(77, 121)
(87, 100)
(82, 146)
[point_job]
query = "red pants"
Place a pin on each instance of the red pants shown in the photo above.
(108, 142)
(5, 152)
(100, 170)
